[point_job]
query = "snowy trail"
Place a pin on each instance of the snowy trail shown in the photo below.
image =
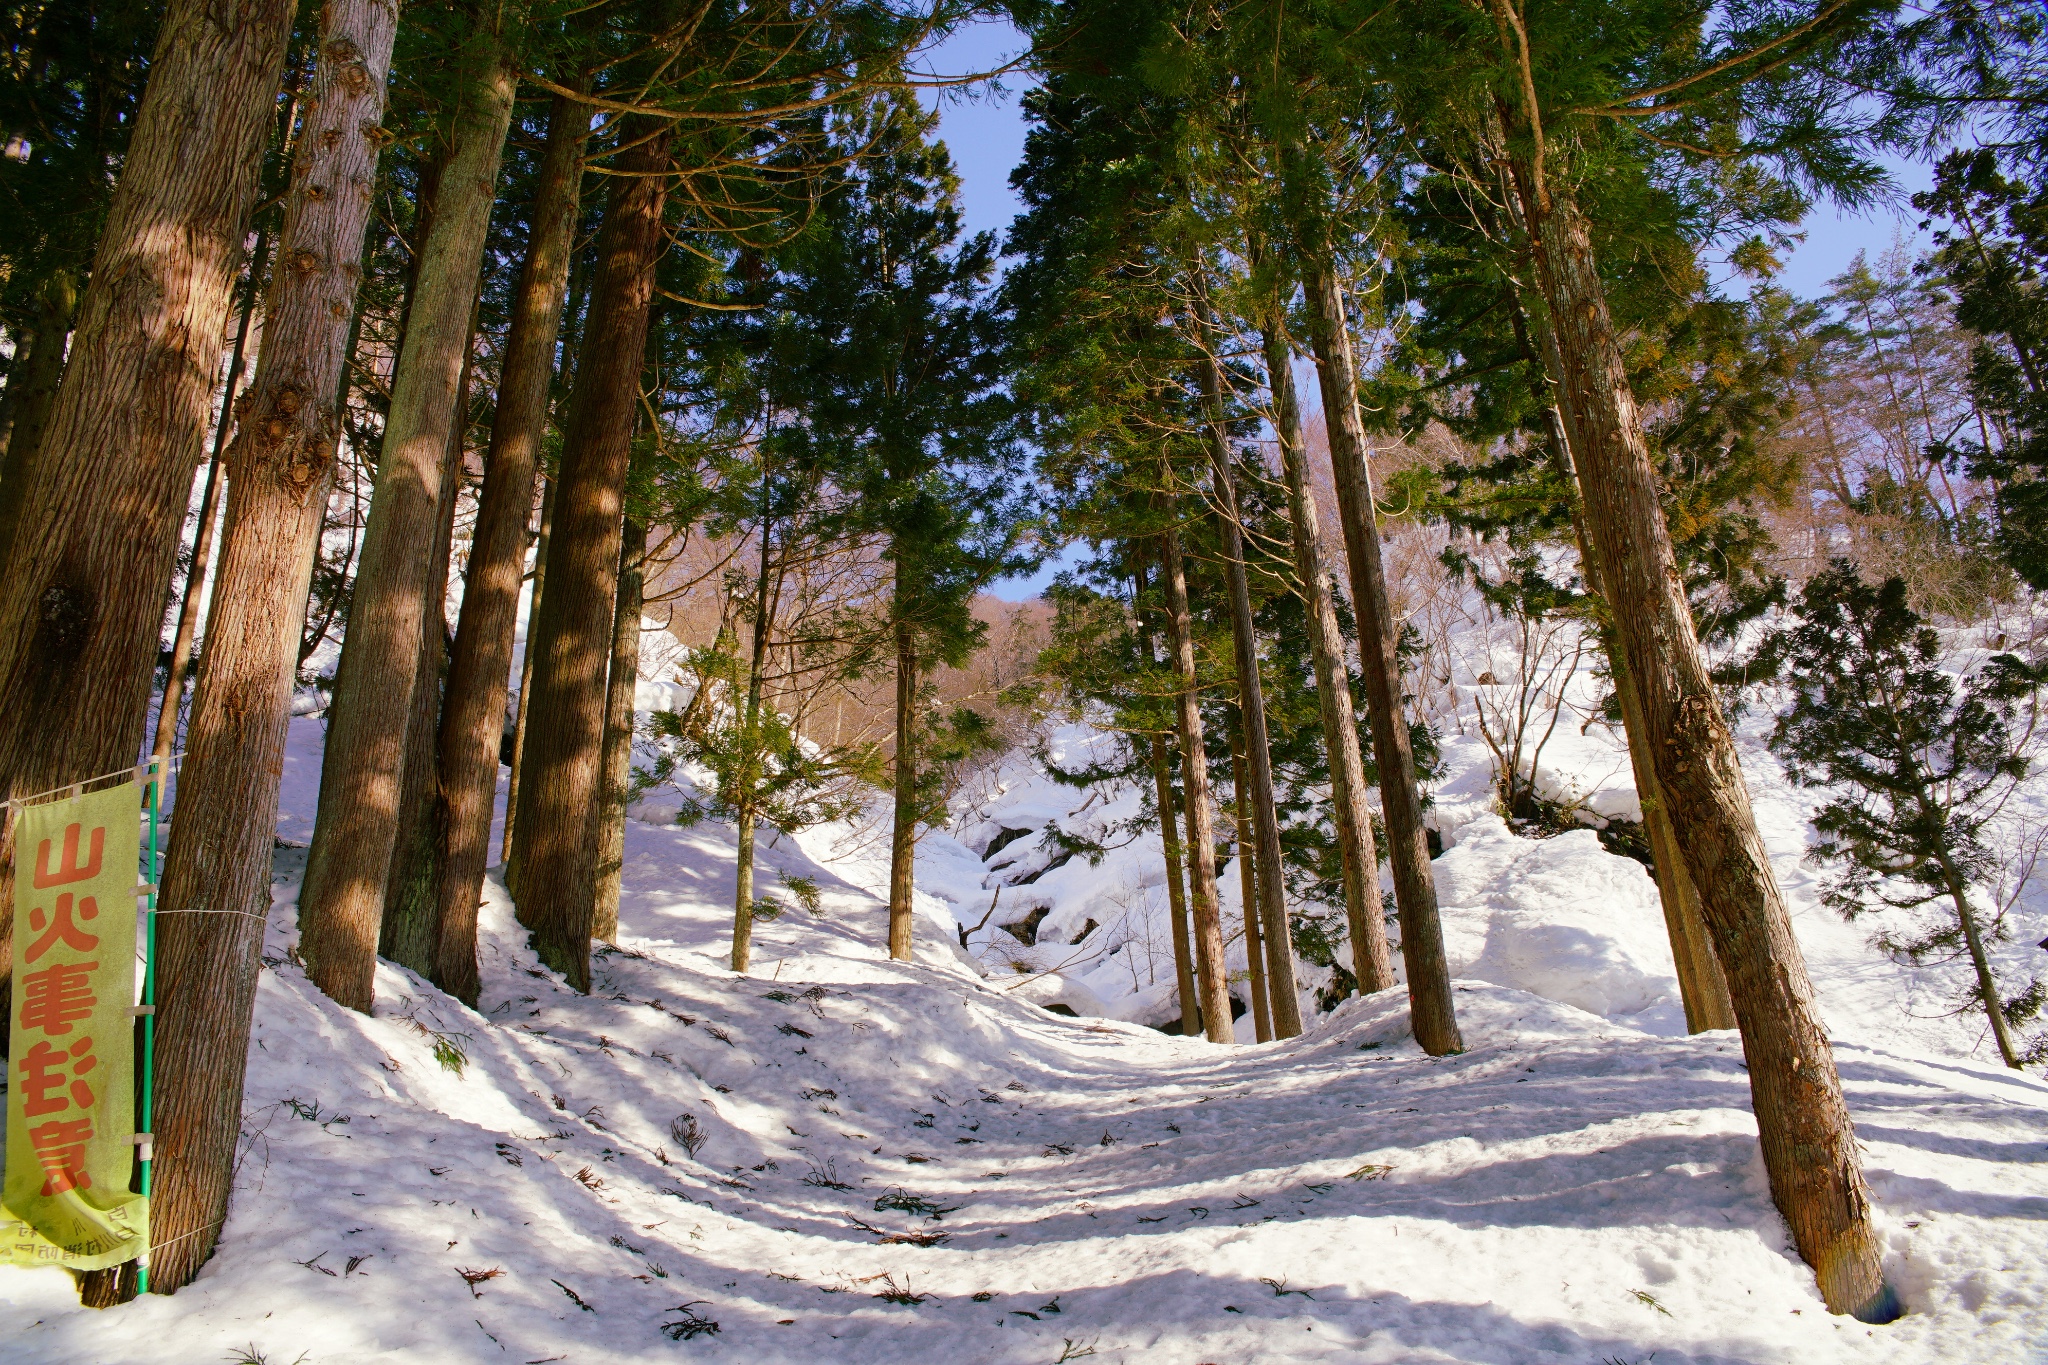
(1568, 1190)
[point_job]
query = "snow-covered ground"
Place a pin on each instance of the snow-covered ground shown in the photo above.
(844, 1159)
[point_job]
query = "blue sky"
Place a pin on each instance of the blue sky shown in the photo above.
(984, 129)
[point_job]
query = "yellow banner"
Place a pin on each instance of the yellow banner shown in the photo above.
(71, 1067)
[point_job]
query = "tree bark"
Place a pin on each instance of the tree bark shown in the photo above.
(166, 734)
(1702, 988)
(903, 831)
(1194, 768)
(1283, 995)
(1176, 891)
(560, 770)
(620, 687)
(1803, 1125)
(361, 773)
(540, 577)
(1422, 941)
(473, 717)
(1987, 985)
(217, 870)
(1371, 961)
(410, 928)
(1248, 887)
(750, 759)
(209, 505)
(32, 393)
(82, 600)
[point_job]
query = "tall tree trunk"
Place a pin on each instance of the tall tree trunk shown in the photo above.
(1194, 768)
(209, 504)
(82, 600)
(1283, 994)
(410, 929)
(560, 770)
(31, 394)
(1809, 1145)
(362, 773)
(1371, 960)
(1176, 890)
(620, 687)
(280, 469)
(1248, 887)
(903, 831)
(1422, 940)
(473, 717)
(506, 845)
(1987, 984)
(750, 769)
(194, 596)
(1702, 988)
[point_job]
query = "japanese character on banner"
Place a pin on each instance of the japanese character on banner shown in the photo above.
(58, 996)
(60, 1147)
(62, 929)
(53, 1079)
(69, 869)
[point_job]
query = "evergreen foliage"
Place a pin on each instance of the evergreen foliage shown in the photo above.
(1916, 766)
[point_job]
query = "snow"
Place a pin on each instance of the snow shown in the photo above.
(1581, 1185)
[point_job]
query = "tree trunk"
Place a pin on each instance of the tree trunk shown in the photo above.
(1701, 985)
(280, 468)
(32, 393)
(1194, 768)
(1702, 988)
(540, 578)
(1283, 995)
(473, 717)
(903, 833)
(560, 770)
(620, 687)
(82, 600)
(362, 773)
(1422, 941)
(1987, 984)
(1808, 1143)
(1176, 891)
(194, 596)
(1371, 961)
(410, 928)
(1248, 887)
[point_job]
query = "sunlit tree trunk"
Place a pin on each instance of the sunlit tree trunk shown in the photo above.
(1194, 766)
(903, 830)
(82, 599)
(362, 771)
(1248, 877)
(507, 847)
(280, 469)
(1371, 960)
(1803, 1126)
(412, 892)
(621, 684)
(1176, 889)
(1283, 998)
(1422, 940)
(561, 769)
(749, 776)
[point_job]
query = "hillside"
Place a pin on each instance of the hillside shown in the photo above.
(843, 1159)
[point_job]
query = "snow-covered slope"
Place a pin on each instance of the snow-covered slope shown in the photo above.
(845, 1159)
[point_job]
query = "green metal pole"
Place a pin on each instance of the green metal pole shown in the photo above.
(144, 1126)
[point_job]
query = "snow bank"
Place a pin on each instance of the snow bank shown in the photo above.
(1561, 918)
(847, 1159)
